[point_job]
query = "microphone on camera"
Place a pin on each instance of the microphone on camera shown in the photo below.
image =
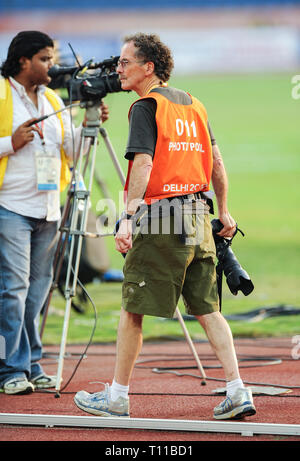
(56, 71)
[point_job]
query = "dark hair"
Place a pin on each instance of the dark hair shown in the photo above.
(26, 44)
(150, 48)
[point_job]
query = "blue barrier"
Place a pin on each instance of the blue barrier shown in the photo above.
(15, 5)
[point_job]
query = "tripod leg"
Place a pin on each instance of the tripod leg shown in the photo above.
(113, 155)
(219, 271)
(70, 291)
(191, 345)
(68, 296)
(63, 347)
(57, 264)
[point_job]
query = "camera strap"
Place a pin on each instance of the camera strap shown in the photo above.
(219, 271)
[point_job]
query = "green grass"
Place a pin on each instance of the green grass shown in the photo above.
(256, 124)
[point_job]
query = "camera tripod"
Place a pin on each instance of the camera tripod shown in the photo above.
(76, 231)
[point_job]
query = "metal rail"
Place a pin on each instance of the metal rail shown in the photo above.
(243, 428)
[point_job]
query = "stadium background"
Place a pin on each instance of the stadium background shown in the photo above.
(242, 59)
(205, 36)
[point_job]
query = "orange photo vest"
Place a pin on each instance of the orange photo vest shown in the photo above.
(182, 162)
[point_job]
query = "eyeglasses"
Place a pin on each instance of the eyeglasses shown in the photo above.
(124, 63)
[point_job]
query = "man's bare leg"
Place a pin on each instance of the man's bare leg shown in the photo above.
(129, 344)
(239, 401)
(220, 337)
(113, 401)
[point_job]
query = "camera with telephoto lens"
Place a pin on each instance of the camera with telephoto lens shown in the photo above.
(236, 277)
(89, 82)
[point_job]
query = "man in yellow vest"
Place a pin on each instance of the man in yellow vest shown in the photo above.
(172, 159)
(34, 168)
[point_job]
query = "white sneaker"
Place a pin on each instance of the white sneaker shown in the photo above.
(237, 407)
(18, 386)
(43, 381)
(100, 403)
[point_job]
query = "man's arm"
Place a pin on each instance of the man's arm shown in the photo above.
(139, 178)
(220, 185)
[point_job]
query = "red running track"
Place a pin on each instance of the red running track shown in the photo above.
(163, 396)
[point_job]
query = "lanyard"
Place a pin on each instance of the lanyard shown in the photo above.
(40, 129)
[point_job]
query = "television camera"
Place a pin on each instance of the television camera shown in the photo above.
(89, 82)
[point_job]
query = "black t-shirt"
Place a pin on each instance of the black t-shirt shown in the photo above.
(142, 124)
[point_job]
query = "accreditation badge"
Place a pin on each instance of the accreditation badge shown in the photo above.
(48, 171)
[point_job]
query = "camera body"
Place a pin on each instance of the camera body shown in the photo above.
(87, 86)
(236, 277)
(93, 88)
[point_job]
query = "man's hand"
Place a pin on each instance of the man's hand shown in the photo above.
(104, 112)
(229, 226)
(123, 237)
(23, 135)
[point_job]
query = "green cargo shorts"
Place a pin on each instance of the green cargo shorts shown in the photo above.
(160, 267)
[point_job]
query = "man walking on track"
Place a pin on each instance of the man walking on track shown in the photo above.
(173, 158)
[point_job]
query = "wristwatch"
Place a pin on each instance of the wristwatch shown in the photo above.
(125, 215)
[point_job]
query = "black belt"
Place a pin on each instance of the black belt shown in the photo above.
(197, 195)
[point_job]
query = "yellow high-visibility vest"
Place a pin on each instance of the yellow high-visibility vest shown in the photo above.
(6, 122)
